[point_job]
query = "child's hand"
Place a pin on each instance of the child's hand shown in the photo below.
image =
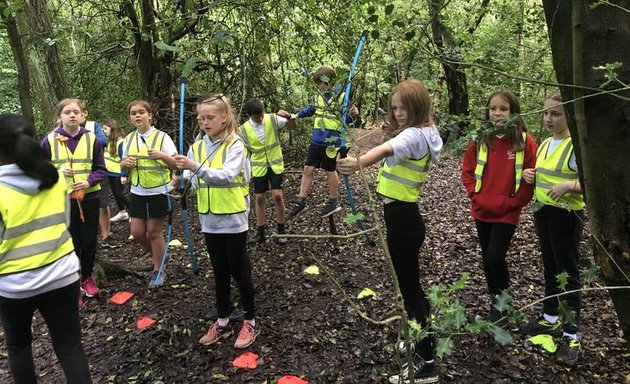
(283, 113)
(558, 190)
(183, 162)
(124, 180)
(79, 185)
(155, 154)
(129, 162)
(348, 165)
(529, 175)
(68, 172)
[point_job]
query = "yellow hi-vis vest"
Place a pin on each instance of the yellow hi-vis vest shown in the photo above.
(326, 113)
(35, 233)
(482, 159)
(552, 169)
(404, 180)
(149, 173)
(112, 163)
(219, 199)
(267, 154)
(80, 161)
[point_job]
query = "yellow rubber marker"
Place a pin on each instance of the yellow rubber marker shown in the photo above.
(312, 270)
(366, 292)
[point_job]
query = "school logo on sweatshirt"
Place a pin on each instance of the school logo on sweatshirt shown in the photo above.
(511, 155)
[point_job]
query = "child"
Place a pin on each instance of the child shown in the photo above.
(415, 143)
(559, 227)
(117, 178)
(220, 165)
(492, 174)
(326, 133)
(77, 152)
(260, 134)
(147, 156)
(39, 269)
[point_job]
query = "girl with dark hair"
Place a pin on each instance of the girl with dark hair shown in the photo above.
(39, 269)
(117, 177)
(492, 173)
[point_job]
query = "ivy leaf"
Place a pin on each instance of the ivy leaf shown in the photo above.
(373, 18)
(189, 66)
(162, 46)
(351, 219)
(563, 280)
(444, 347)
(371, 10)
(375, 34)
(591, 274)
(410, 35)
(500, 335)
(459, 284)
(389, 9)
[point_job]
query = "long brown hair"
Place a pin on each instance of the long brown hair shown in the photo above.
(415, 98)
(115, 133)
(513, 136)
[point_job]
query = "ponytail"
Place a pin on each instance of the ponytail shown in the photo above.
(18, 145)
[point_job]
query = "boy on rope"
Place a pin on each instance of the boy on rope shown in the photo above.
(326, 133)
(260, 134)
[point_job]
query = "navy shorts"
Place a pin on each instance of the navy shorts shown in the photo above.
(149, 207)
(317, 158)
(104, 197)
(271, 179)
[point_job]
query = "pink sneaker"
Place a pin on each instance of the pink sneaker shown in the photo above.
(214, 334)
(89, 287)
(246, 336)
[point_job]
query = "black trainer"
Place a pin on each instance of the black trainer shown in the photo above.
(298, 206)
(237, 314)
(539, 326)
(259, 237)
(422, 372)
(109, 242)
(331, 207)
(568, 351)
(281, 240)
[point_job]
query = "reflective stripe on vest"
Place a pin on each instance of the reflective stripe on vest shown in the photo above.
(149, 173)
(404, 180)
(552, 169)
(482, 159)
(219, 199)
(326, 113)
(35, 232)
(80, 161)
(267, 154)
(112, 163)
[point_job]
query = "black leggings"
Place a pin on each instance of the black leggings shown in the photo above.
(228, 254)
(118, 190)
(405, 235)
(559, 232)
(84, 233)
(61, 313)
(495, 239)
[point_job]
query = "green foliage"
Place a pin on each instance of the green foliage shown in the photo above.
(562, 280)
(590, 274)
(351, 219)
(8, 78)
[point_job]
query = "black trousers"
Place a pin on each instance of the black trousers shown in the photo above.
(495, 239)
(84, 233)
(405, 235)
(559, 232)
(118, 190)
(228, 254)
(61, 313)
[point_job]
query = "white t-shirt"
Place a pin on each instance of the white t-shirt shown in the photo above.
(415, 143)
(168, 147)
(572, 161)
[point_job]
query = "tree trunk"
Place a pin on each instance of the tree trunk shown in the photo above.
(15, 40)
(47, 75)
(603, 140)
(453, 73)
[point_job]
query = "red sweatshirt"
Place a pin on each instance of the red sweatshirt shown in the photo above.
(496, 202)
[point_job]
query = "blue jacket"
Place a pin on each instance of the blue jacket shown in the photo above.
(320, 136)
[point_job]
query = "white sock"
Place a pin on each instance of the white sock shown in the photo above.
(252, 322)
(223, 322)
(429, 361)
(571, 335)
(550, 319)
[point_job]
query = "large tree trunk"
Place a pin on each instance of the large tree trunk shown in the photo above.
(47, 75)
(15, 40)
(603, 137)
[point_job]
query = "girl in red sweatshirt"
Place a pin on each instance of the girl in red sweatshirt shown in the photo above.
(492, 173)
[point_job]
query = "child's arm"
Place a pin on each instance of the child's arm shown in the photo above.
(468, 168)
(350, 165)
